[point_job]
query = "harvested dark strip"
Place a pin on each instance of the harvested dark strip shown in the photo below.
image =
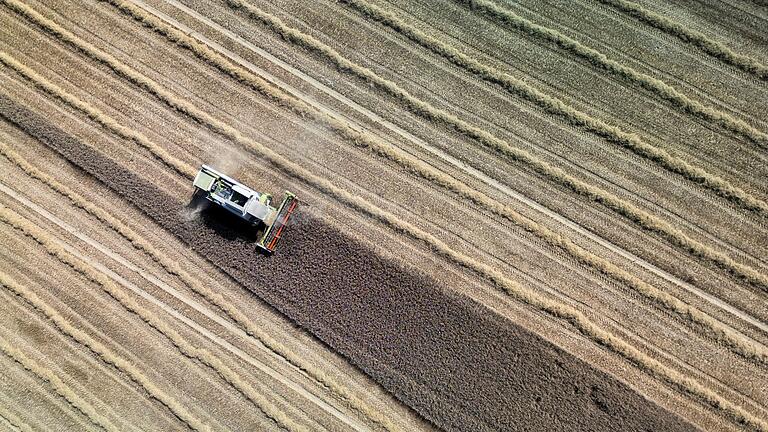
(453, 361)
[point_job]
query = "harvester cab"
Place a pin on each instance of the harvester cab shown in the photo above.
(254, 207)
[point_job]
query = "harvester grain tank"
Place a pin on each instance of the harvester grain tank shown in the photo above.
(246, 203)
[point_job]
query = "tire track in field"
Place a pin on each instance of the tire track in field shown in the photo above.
(728, 248)
(56, 383)
(690, 37)
(556, 309)
(68, 229)
(216, 299)
(132, 135)
(600, 61)
(631, 141)
(18, 307)
(187, 301)
(706, 96)
(710, 199)
(84, 266)
(751, 348)
(92, 113)
(740, 344)
(693, 54)
(643, 219)
(615, 114)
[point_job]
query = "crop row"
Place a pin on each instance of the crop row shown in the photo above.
(396, 324)
(600, 128)
(99, 350)
(685, 104)
(73, 398)
(161, 154)
(643, 219)
(631, 141)
(691, 36)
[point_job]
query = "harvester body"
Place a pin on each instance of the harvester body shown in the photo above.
(246, 203)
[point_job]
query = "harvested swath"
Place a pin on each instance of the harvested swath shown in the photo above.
(733, 339)
(184, 346)
(15, 291)
(214, 298)
(399, 327)
(98, 349)
(643, 219)
(600, 60)
(13, 421)
(692, 37)
(96, 115)
(58, 385)
(513, 289)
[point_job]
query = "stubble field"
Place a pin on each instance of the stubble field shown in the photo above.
(514, 216)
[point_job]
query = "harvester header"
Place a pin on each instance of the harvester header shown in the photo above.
(254, 207)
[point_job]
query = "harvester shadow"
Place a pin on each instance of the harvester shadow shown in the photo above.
(224, 223)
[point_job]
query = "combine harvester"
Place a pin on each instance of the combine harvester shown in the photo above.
(246, 203)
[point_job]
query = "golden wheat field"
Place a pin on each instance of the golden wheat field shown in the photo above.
(535, 215)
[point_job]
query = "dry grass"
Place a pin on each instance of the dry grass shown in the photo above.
(97, 116)
(631, 141)
(14, 422)
(528, 296)
(691, 37)
(185, 347)
(576, 318)
(643, 219)
(661, 89)
(732, 339)
(59, 386)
